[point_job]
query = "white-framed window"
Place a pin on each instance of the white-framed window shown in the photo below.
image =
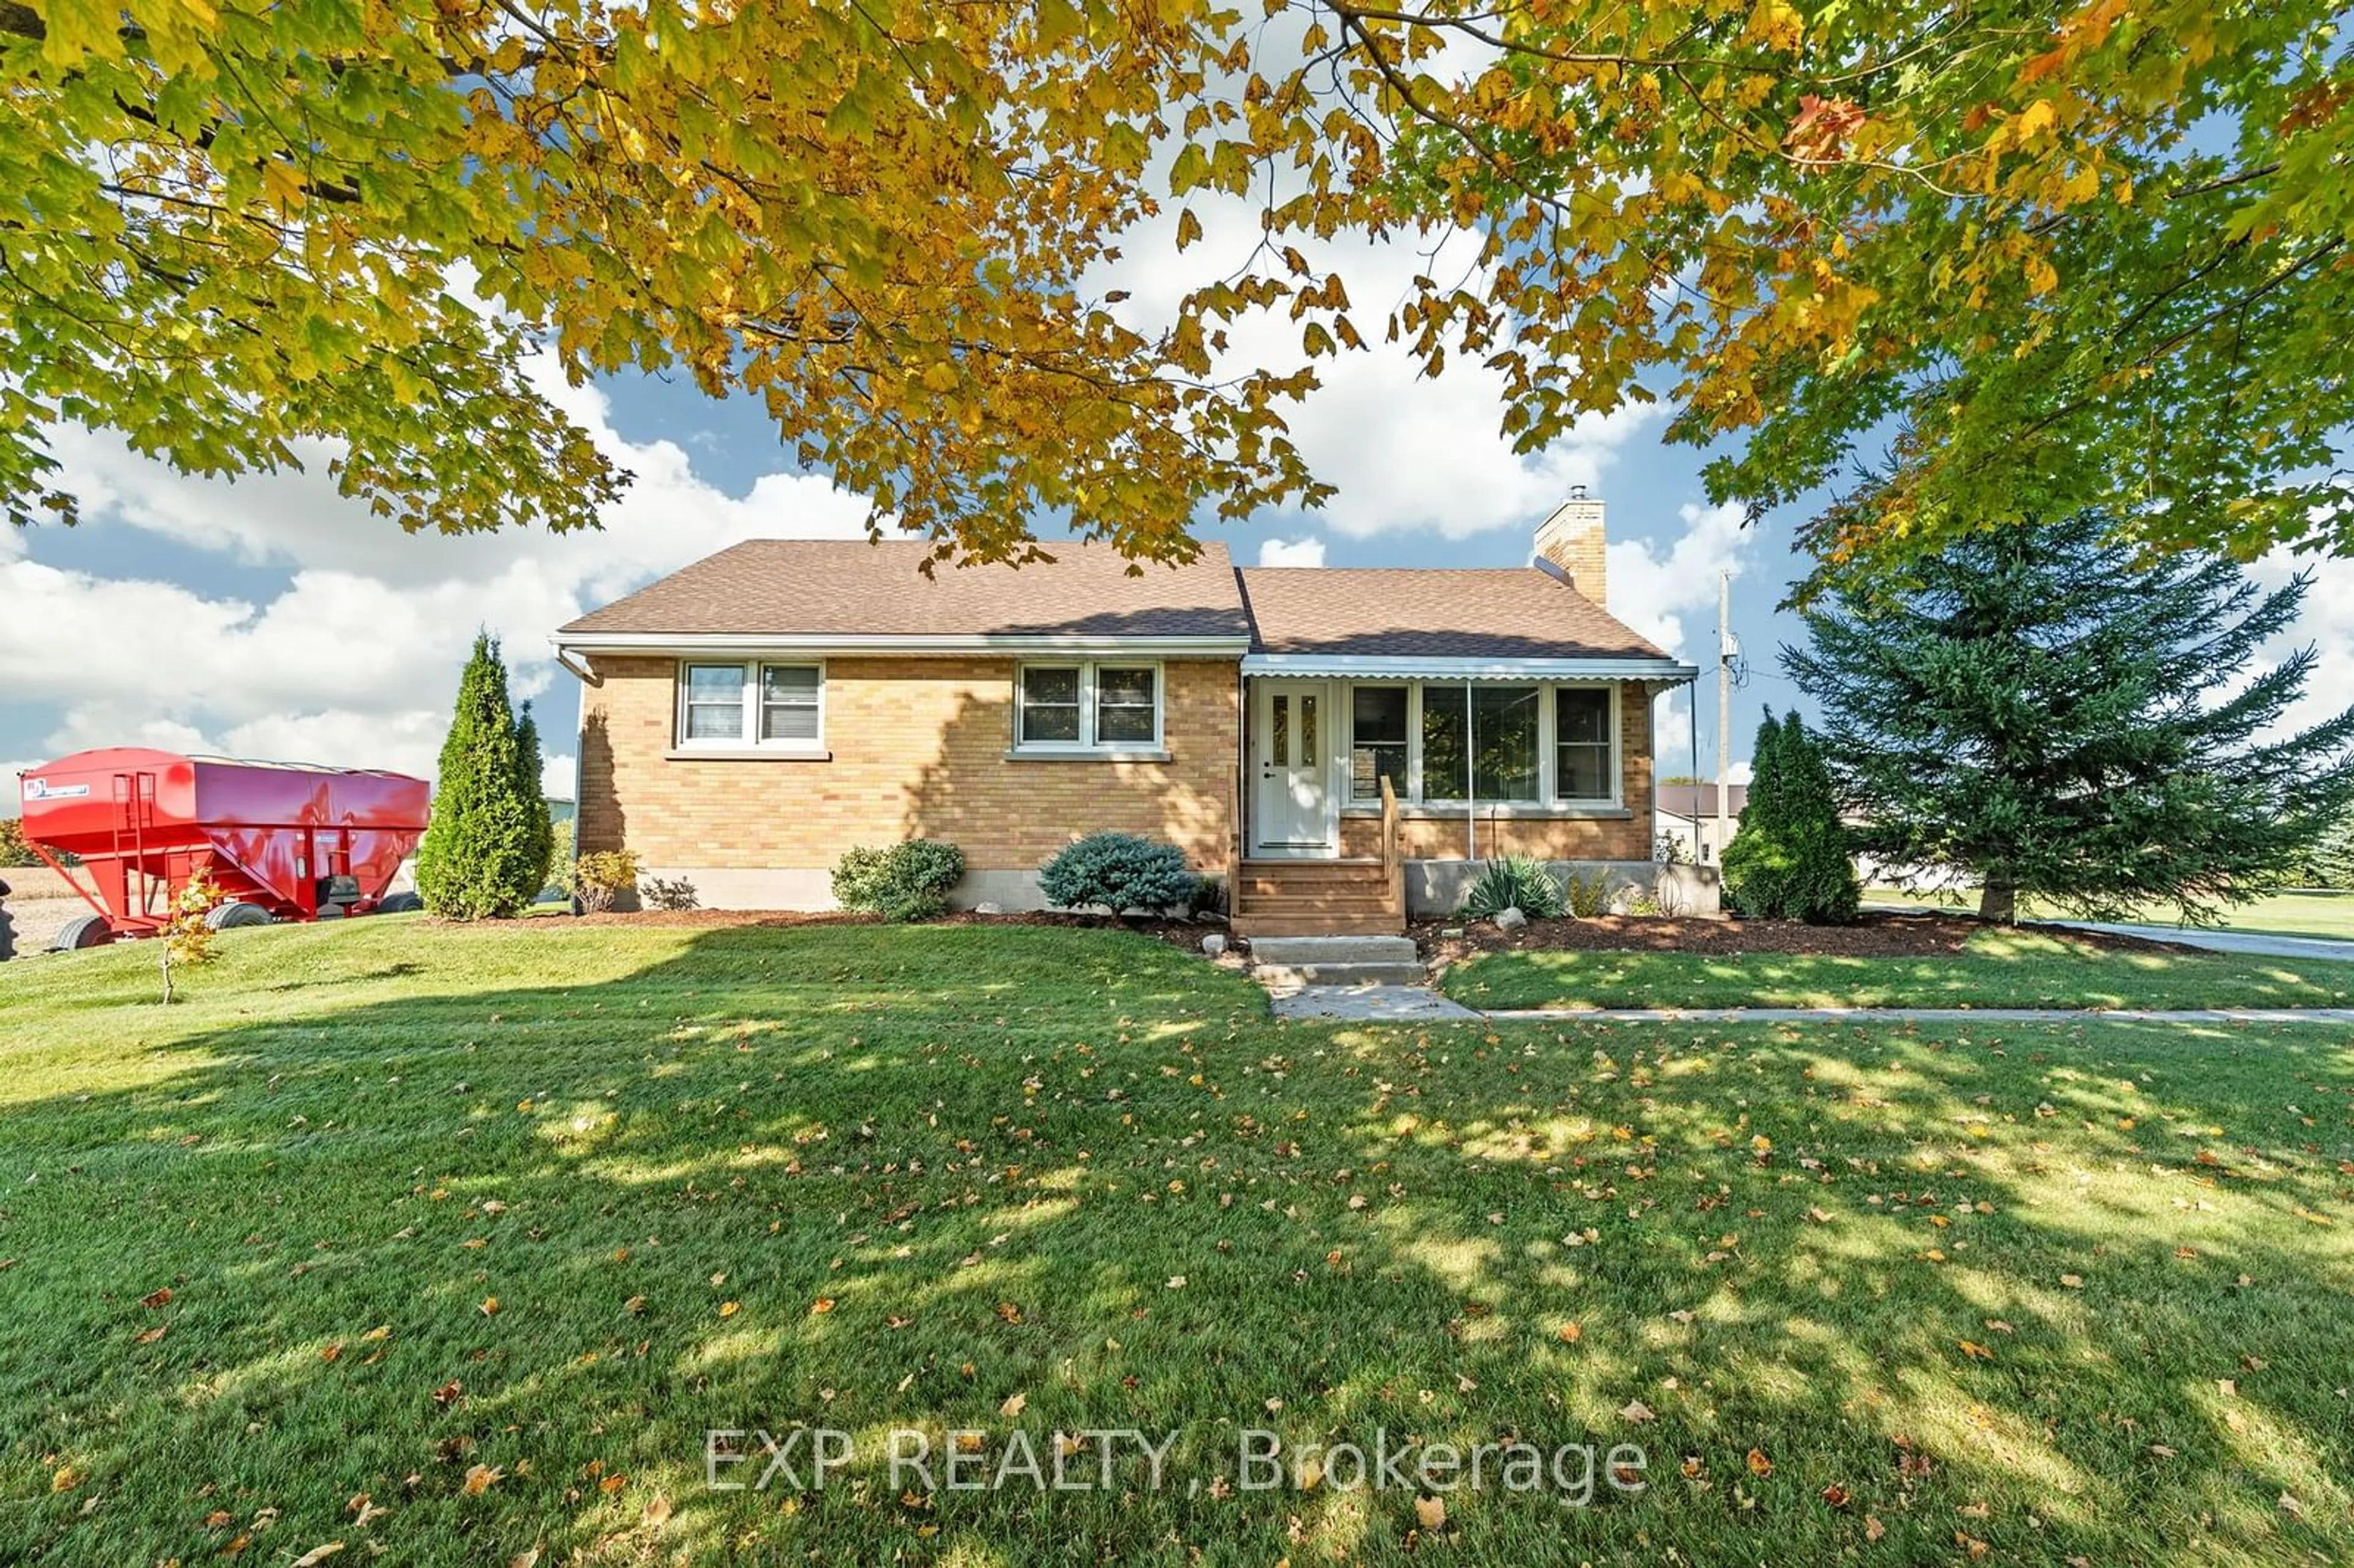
(1530, 744)
(751, 705)
(1087, 704)
(1585, 745)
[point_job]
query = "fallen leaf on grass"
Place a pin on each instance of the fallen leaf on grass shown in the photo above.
(1872, 1529)
(1759, 1465)
(482, 1479)
(490, 1306)
(1571, 1333)
(1636, 1411)
(155, 1298)
(730, 1309)
(1431, 1512)
(1013, 1405)
(317, 1554)
(2073, 1281)
(1974, 1350)
(149, 1336)
(1836, 1495)
(657, 1512)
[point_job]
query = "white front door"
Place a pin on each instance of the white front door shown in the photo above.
(1291, 727)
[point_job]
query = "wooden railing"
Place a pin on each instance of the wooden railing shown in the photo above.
(1393, 854)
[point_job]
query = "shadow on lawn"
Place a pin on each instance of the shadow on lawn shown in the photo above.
(934, 1173)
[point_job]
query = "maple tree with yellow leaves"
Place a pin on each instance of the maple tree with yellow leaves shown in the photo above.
(2007, 260)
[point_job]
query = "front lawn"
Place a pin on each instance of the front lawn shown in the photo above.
(451, 1244)
(1996, 969)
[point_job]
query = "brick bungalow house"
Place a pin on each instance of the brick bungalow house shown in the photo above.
(1342, 745)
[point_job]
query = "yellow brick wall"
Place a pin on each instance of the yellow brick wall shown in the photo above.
(918, 750)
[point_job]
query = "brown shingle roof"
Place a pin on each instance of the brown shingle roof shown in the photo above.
(821, 588)
(1446, 612)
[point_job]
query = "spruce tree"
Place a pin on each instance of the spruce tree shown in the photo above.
(528, 768)
(2040, 708)
(479, 859)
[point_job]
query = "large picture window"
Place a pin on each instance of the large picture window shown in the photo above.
(1088, 707)
(1504, 743)
(771, 706)
(1526, 744)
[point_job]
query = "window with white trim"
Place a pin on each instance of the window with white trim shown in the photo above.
(1585, 761)
(1088, 705)
(1526, 744)
(775, 707)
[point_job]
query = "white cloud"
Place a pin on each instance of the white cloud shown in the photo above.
(1407, 453)
(356, 660)
(1306, 551)
(2326, 621)
(1654, 591)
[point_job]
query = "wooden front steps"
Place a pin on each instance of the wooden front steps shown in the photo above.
(1317, 898)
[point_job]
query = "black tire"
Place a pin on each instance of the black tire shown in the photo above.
(223, 917)
(83, 931)
(399, 904)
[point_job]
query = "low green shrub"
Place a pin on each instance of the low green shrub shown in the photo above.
(1117, 872)
(597, 879)
(1585, 895)
(1209, 897)
(1515, 882)
(906, 880)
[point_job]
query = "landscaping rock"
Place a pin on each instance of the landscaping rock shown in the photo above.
(1510, 920)
(1450, 932)
(1213, 944)
(985, 907)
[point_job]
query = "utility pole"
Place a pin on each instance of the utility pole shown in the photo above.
(1724, 711)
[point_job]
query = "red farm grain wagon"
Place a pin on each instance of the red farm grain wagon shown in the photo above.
(283, 840)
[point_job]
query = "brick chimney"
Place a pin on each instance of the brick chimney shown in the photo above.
(1570, 542)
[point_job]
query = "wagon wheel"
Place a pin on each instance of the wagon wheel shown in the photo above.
(83, 931)
(221, 916)
(399, 904)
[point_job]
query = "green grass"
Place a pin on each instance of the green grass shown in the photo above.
(995, 1152)
(1996, 969)
(2325, 915)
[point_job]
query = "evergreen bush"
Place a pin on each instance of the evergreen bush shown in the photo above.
(484, 854)
(1788, 860)
(1117, 872)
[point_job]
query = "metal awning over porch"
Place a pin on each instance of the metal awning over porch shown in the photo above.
(1403, 667)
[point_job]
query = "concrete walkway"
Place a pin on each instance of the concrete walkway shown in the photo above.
(1389, 1003)
(2256, 943)
(1404, 1003)
(1933, 1015)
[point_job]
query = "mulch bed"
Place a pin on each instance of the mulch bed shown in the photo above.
(1184, 934)
(1875, 935)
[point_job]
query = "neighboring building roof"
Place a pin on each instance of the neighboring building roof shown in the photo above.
(1443, 613)
(1676, 799)
(820, 588)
